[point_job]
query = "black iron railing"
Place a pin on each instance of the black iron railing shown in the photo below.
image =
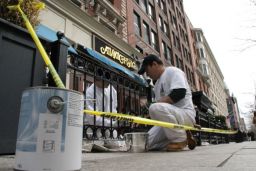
(82, 72)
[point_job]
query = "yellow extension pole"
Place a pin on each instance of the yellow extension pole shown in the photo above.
(139, 120)
(39, 45)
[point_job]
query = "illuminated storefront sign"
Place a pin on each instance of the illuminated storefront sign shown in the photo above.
(114, 54)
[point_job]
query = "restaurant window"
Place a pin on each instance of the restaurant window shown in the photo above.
(146, 32)
(137, 26)
(154, 40)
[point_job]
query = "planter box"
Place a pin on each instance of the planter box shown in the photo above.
(21, 66)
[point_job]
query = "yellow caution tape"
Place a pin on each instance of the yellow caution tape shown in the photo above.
(139, 120)
(46, 59)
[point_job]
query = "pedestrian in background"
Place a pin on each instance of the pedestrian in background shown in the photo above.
(173, 104)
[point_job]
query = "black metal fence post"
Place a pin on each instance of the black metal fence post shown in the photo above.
(59, 53)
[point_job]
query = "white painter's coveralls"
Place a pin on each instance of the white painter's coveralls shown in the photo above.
(181, 112)
(89, 119)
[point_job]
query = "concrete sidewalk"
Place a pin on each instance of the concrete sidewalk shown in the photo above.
(233, 156)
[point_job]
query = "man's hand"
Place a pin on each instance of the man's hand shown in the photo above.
(143, 102)
(165, 99)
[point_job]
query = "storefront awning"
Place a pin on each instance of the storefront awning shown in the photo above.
(50, 35)
(115, 65)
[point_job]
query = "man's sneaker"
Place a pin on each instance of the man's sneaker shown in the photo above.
(191, 140)
(176, 146)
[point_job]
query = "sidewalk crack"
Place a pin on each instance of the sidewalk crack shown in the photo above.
(226, 160)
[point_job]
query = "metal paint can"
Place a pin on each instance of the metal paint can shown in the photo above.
(136, 141)
(50, 130)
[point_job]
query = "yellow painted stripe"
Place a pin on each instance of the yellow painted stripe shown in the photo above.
(139, 120)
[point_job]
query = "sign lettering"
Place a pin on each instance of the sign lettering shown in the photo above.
(112, 53)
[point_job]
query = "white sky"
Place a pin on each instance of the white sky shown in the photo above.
(226, 25)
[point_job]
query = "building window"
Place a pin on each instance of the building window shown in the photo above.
(146, 32)
(111, 1)
(139, 49)
(164, 48)
(189, 58)
(181, 64)
(174, 22)
(178, 13)
(177, 42)
(169, 54)
(174, 39)
(172, 5)
(137, 26)
(201, 53)
(154, 40)
(163, 6)
(161, 24)
(181, 32)
(183, 50)
(187, 73)
(186, 39)
(144, 6)
(158, 2)
(184, 23)
(166, 29)
(151, 12)
(177, 61)
(205, 69)
(198, 37)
